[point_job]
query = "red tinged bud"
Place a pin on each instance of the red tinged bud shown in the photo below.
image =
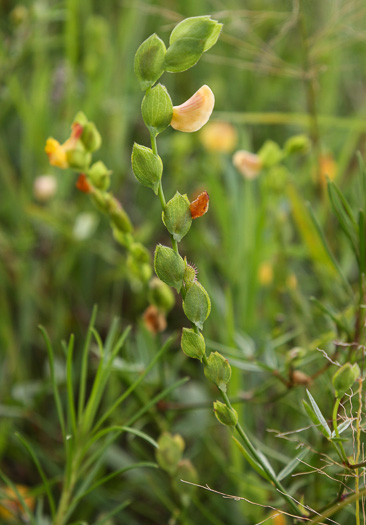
(83, 184)
(199, 206)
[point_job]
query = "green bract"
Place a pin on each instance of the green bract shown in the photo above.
(193, 344)
(177, 216)
(78, 159)
(157, 109)
(146, 166)
(218, 370)
(169, 266)
(149, 61)
(197, 304)
(226, 416)
(344, 378)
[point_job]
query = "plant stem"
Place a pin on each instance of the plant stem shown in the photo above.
(335, 427)
(292, 505)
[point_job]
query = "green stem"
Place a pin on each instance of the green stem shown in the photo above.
(335, 427)
(336, 507)
(292, 505)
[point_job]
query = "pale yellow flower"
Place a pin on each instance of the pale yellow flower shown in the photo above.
(265, 273)
(219, 136)
(194, 112)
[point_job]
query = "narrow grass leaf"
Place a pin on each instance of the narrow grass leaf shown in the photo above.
(70, 386)
(113, 512)
(292, 465)
(316, 415)
(84, 362)
(251, 460)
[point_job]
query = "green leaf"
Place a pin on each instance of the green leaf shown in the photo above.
(157, 109)
(316, 416)
(292, 465)
(252, 462)
(149, 61)
(199, 27)
(147, 167)
(177, 216)
(183, 54)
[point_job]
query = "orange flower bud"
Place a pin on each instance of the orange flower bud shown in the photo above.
(83, 184)
(199, 206)
(248, 164)
(195, 112)
(154, 320)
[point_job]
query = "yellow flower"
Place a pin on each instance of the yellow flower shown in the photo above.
(265, 273)
(194, 112)
(248, 164)
(219, 136)
(57, 153)
(10, 507)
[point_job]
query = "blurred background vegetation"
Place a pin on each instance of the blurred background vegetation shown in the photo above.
(280, 68)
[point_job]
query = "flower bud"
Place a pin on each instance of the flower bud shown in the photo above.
(344, 378)
(219, 137)
(147, 167)
(270, 154)
(149, 61)
(91, 137)
(120, 219)
(157, 109)
(248, 164)
(44, 187)
(169, 266)
(83, 185)
(199, 206)
(218, 370)
(187, 472)
(297, 144)
(299, 378)
(227, 416)
(193, 344)
(99, 175)
(170, 451)
(189, 40)
(78, 159)
(160, 295)
(154, 320)
(177, 216)
(197, 304)
(139, 252)
(80, 118)
(194, 112)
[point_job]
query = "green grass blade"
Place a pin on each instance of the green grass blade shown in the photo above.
(292, 465)
(324, 427)
(70, 387)
(84, 363)
(113, 428)
(56, 394)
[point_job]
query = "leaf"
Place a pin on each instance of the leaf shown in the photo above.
(292, 465)
(252, 462)
(316, 416)
(149, 61)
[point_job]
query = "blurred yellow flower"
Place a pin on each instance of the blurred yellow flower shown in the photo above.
(194, 112)
(265, 273)
(327, 168)
(248, 164)
(219, 136)
(277, 518)
(57, 153)
(10, 507)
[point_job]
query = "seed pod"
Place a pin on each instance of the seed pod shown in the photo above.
(147, 167)
(90, 137)
(99, 175)
(218, 370)
(197, 304)
(177, 216)
(78, 159)
(157, 109)
(227, 416)
(193, 344)
(185, 470)
(194, 112)
(169, 266)
(160, 295)
(344, 378)
(170, 451)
